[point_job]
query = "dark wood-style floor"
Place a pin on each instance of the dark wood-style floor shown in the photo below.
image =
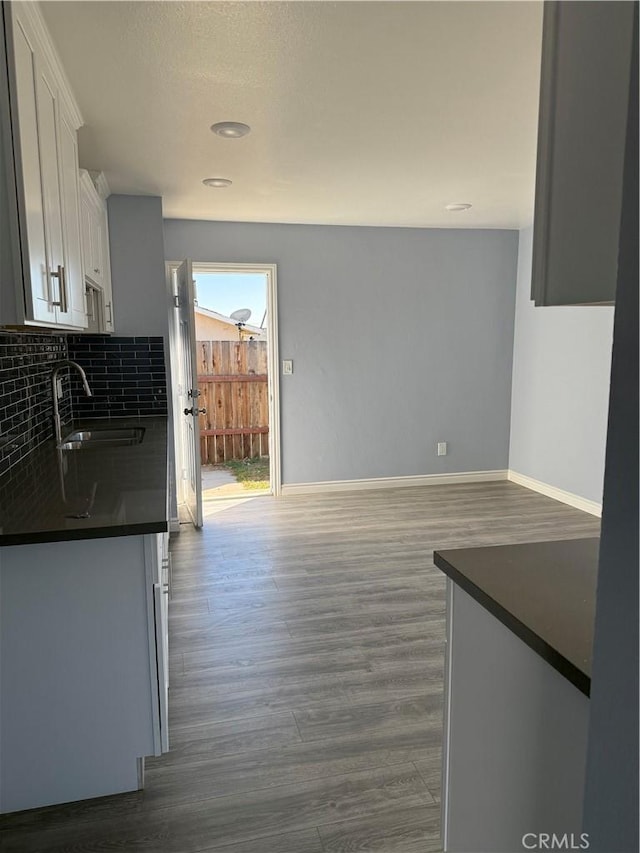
(307, 643)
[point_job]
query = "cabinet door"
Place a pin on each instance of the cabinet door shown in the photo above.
(79, 687)
(38, 300)
(75, 312)
(85, 228)
(106, 274)
(158, 609)
(90, 214)
(46, 173)
(48, 145)
(97, 240)
(584, 90)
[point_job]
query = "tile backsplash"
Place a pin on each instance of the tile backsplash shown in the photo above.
(126, 375)
(26, 415)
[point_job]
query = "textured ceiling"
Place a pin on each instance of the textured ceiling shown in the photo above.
(365, 113)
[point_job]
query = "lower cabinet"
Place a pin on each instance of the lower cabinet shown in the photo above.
(83, 667)
(515, 739)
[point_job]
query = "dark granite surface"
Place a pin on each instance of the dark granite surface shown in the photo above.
(545, 592)
(122, 490)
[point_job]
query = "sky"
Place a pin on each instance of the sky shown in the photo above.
(227, 292)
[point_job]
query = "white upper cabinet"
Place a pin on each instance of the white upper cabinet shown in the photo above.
(92, 216)
(70, 186)
(95, 244)
(44, 124)
(28, 153)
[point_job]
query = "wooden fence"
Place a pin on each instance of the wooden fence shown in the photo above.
(232, 379)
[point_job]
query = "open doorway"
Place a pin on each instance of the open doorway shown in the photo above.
(234, 430)
(233, 373)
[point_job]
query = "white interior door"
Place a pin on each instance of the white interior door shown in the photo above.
(187, 410)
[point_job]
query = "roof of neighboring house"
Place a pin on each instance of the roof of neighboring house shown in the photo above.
(222, 318)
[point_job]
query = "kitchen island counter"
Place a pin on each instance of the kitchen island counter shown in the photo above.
(520, 622)
(544, 592)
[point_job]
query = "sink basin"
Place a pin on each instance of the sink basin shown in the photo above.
(102, 437)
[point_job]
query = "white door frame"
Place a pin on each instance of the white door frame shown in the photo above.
(273, 382)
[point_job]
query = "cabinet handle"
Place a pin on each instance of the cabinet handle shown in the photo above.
(62, 288)
(110, 320)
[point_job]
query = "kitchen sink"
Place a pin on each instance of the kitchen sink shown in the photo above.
(85, 439)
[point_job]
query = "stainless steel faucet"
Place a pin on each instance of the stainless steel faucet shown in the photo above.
(57, 367)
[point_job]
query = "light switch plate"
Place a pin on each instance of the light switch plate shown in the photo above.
(287, 367)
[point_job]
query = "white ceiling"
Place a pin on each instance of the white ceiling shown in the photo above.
(362, 113)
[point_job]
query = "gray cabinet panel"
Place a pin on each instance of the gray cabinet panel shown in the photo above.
(586, 64)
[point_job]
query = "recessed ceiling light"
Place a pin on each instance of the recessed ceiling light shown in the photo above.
(457, 206)
(217, 182)
(230, 129)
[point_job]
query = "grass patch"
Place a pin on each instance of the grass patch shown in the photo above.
(252, 473)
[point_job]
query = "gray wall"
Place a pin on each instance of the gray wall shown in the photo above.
(400, 338)
(137, 265)
(140, 294)
(560, 392)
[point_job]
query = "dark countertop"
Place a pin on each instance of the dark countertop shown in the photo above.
(545, 592)
(123, 489)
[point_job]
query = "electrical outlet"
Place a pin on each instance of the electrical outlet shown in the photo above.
(287, 367)
(442, 448)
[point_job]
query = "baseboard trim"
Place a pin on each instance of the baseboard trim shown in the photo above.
(392, 482)
(561, 495)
